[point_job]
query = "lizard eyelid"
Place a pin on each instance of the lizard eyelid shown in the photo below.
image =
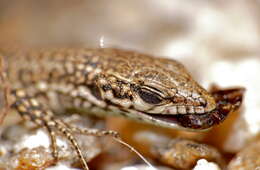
(149, 96)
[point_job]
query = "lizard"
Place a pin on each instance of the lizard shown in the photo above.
(105, 81)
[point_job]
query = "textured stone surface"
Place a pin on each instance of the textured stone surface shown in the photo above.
(183, 154)
(247, 159)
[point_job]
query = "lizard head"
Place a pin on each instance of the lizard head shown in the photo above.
(158, 88)
(168, 93)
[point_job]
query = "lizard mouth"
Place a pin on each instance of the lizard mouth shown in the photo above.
(227, 100)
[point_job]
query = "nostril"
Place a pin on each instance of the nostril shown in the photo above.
(202, 102)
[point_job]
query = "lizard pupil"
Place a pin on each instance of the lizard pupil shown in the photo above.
(149, 97)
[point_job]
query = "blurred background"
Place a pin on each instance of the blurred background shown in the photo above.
(217, 40)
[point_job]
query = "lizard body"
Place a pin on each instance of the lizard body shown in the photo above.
(146, 88)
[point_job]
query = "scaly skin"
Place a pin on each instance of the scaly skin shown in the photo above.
(154, 90)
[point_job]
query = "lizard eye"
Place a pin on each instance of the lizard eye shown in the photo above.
(149, 96)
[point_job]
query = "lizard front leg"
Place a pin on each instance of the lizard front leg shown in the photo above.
(30, 108)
